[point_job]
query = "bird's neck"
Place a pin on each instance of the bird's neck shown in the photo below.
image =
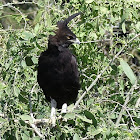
(56, 48)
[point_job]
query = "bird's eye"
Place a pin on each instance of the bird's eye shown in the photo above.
(69, 37)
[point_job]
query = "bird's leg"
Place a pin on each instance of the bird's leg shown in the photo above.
(64, 108)
(53, 108)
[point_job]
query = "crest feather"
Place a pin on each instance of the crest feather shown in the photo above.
(67, 20)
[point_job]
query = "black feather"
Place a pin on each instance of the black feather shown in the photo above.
(58, 74)
(66, 21)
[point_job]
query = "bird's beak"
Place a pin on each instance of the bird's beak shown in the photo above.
(76, 41)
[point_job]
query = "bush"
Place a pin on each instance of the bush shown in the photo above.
(109, 51)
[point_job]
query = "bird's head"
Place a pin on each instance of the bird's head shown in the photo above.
(64, 36)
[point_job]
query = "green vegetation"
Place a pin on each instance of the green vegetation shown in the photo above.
(110, 108)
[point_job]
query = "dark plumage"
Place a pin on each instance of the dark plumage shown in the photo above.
(58, 74)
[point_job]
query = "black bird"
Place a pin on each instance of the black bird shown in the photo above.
(58, 74)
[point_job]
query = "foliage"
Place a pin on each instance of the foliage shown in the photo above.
(24, 38)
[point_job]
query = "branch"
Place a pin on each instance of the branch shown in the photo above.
(17, 3)
(98, 76)
(93, 41)
(15, 77)
(36, 130)
(106, 100)
(11, 6)
(25, 23)
(124, 106)
(30, 101)
(33, 125)
(34, 120)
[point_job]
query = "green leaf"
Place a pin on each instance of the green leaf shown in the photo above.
(2, 85)
(16, 134)
(124, 17)
(36, 29)
(16, 91)
(137, 26)
(29, 61)
(26, 35)
(7, 65)
(94, 35)
(96, 132)
(83, 118)
(135, 14)
(24, 136)
(89, 1)
(22, 98)
(123, 27)
(26, 117)
(18, 18)
(53, 138)
(76, 137)
(104, 10)
(35, 60)
(48, 20)
(128, 71)
(2, 120)
(101, 30)
(38, 17)
(89, 115)
(113, 116)
(23, 64)
(37, 138)
(70, 116)
(137, 120)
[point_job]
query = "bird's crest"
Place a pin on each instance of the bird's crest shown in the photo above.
(63, 23)
(63, 35)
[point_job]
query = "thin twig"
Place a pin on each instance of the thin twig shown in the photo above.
(24, 2)
(36, 121)
(30, 101)
(106, 100)
(98, 76)
(33, 125)
(112, 112)
(10, 30)
(93, 41)
(25, 23)
(92, 19)
(36, 130)
(31, 113)
(124, 106)
(131, 118)
(15, 77)
(17, 3)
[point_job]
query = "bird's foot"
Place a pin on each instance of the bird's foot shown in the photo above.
(53, 108)
(53, 121)
(64, 108)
